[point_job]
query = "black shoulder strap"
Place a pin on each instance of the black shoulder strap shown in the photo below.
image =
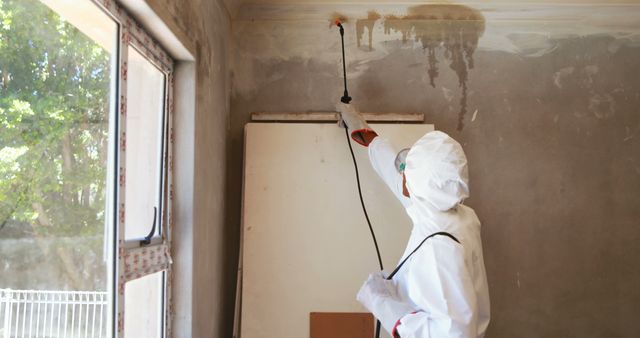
(442, 233)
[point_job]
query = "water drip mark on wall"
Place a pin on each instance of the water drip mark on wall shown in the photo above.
(369, 23)
(446, 31)
(450, 30)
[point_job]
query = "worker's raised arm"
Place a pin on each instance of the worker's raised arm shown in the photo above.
(381, 153)
(357, 125)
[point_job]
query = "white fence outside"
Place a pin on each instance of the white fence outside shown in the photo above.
(32, 313)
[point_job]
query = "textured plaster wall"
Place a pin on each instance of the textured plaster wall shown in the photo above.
(203, 305)
(544, 100)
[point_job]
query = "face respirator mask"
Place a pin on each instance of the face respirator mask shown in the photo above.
(401, 160)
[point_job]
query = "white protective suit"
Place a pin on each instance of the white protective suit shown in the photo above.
(444, 282)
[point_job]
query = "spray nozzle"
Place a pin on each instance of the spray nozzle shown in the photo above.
(341, 28)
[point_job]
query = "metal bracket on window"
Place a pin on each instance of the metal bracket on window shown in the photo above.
(147, 240)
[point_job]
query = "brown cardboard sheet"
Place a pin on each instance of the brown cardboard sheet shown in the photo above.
(341, 325)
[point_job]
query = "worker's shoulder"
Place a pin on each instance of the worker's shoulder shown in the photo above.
(465, 209)
(467, 216)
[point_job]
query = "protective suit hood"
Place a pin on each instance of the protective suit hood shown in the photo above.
(436, 172)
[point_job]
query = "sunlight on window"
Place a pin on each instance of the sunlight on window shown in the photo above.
(55, 80)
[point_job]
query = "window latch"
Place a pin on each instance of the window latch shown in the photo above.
(147, 240)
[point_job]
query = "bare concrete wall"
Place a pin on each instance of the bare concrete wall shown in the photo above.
(204, 302)
(545, 101)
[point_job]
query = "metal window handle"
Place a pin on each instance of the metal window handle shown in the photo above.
(147, 240)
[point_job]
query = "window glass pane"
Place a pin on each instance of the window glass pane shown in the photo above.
(145, 105)
(143, 306)
(55, 99)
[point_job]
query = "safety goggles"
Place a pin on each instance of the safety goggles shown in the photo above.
(401, 160)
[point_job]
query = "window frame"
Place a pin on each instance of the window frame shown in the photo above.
(130, 259)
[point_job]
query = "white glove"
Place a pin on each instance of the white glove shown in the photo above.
(354, 121)
(380, 297)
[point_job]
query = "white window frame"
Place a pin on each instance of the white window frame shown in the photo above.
(129, 259)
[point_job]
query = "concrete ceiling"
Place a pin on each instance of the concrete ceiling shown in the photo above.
(240, 3)
(240, 8)
(505, 19)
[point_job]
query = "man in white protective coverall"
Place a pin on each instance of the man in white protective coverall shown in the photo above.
(442, 290)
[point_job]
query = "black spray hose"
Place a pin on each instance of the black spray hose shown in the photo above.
(366, 215)
(364, 209)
